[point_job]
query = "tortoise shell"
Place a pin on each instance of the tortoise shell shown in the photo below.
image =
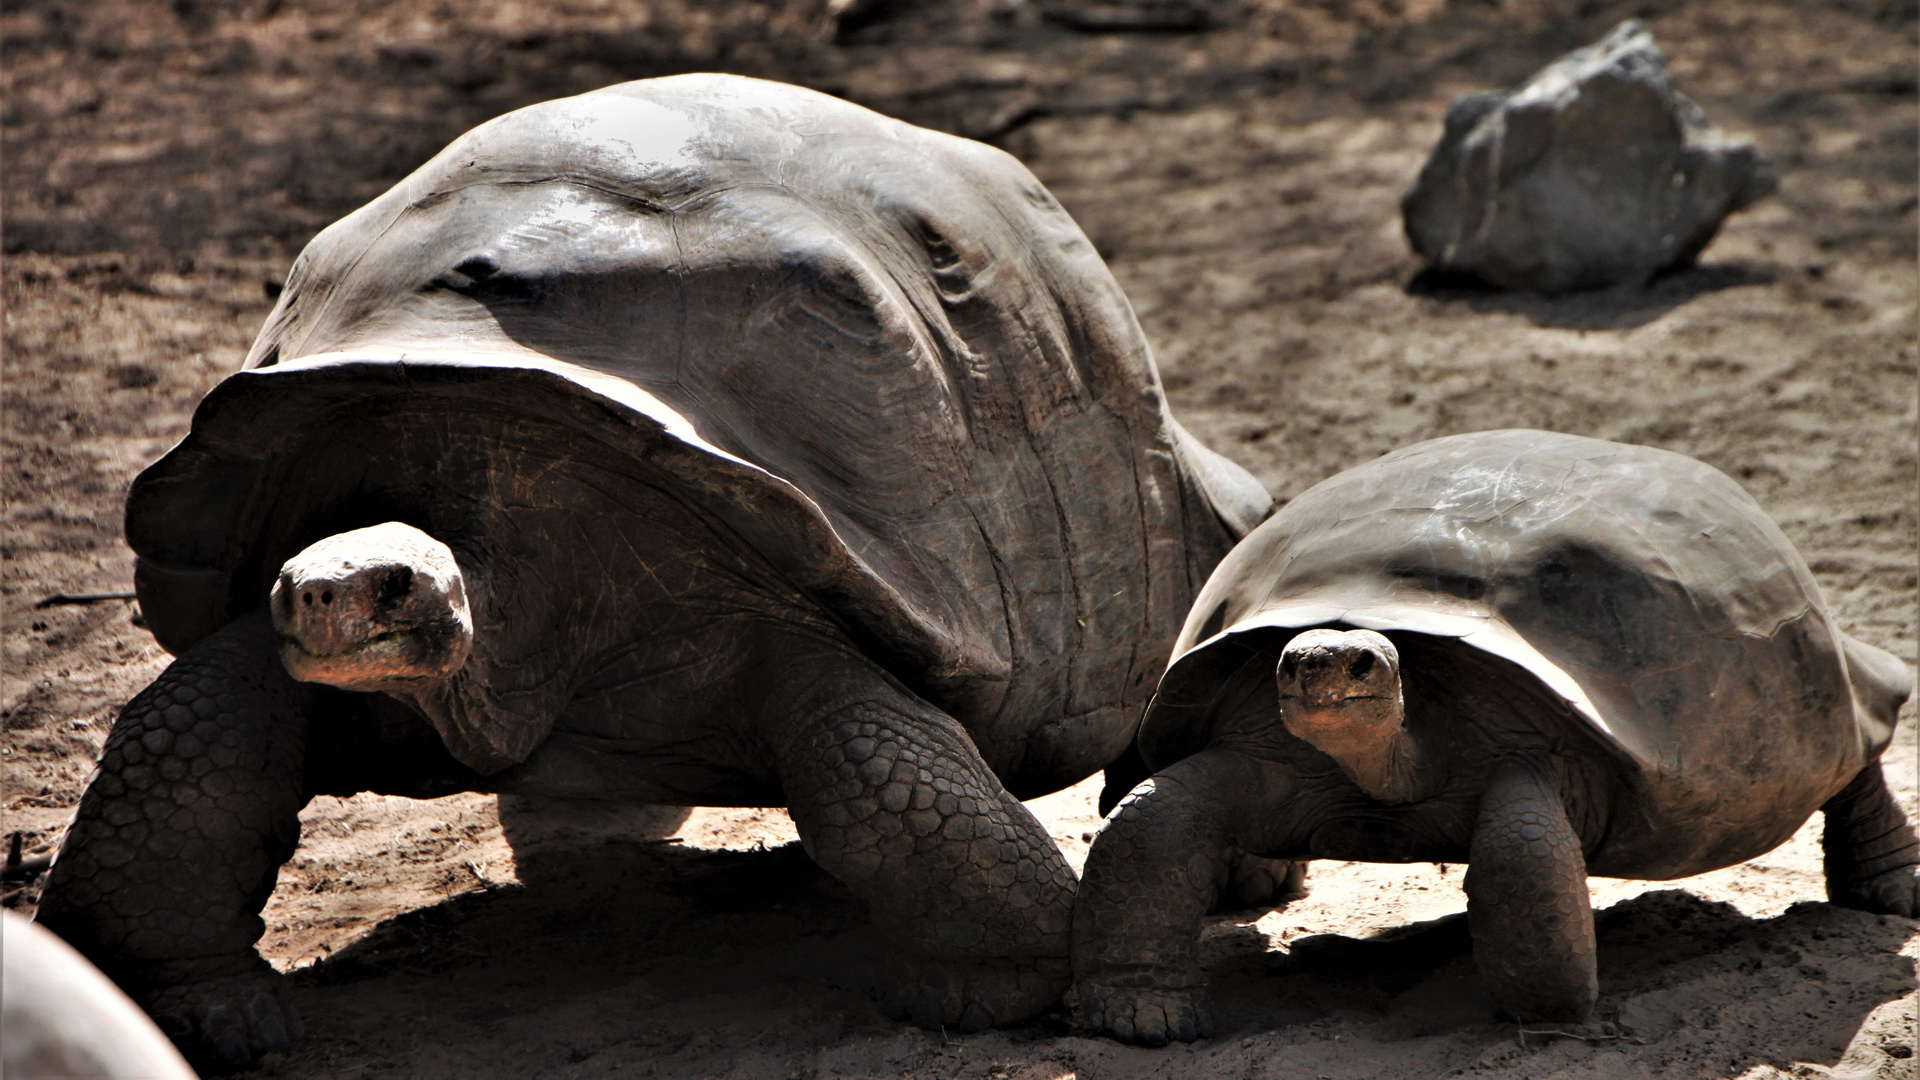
(883, 357)
(1645, 591)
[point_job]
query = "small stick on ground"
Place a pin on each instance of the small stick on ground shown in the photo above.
(61, 599)
(19, 869)
(1605, 1033)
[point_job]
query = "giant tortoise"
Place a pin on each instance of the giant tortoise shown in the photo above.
(1542, 655)
(695, 441)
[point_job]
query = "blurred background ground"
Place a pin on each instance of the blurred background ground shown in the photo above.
(164, 161)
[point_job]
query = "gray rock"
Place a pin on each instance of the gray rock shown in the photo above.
(1595, 173)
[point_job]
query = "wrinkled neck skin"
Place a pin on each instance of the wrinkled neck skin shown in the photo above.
(1340, 691)
(1369, 739)
(486, 728)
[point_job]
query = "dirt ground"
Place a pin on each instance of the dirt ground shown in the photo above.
(163, 163)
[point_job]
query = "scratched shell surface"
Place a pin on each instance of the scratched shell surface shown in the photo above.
(1646, 590)
(884, 357)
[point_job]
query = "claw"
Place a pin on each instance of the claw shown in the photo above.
(225, 1030)
(269, 1030)
(1150, 1025)
(975, 1019)
(1147, 1017)
(1185, 1029)
(925, 1011)
(226, 1024)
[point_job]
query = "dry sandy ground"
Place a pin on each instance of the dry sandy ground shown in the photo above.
(164, 161)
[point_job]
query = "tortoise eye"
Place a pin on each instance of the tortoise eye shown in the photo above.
(1361, 665)
(395, 585)
(942, 254)
(478, 266)
(1288, 665)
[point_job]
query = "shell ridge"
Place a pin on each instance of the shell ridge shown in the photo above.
(408, 208)
(1016, 653)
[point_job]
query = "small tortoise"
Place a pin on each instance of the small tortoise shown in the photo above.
(1541, 655)
(696, 441)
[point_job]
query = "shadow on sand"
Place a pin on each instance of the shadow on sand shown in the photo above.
(634, 951)
(607, 893)
(1674, 969)
(1620, 308)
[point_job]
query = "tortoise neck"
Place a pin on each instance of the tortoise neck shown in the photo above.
(1389, 771)
(1369, 740)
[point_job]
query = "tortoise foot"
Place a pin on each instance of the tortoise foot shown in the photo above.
(1149, 1017)
(973, 996)
(1254, 882)
(1895, 892)
(1872, 854)
(228, 1023)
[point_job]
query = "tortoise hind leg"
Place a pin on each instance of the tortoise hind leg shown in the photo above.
(179, 839)
(1872, 856)
(1527, 904)
(891, 797)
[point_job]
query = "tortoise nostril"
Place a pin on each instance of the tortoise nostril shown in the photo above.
(1360, 666)
(307, 598)
(326, 597)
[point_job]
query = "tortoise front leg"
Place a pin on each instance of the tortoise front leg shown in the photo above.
(1527, 903)
(891, 797)
(1871, 852)
(178, 841)
(1156, 868)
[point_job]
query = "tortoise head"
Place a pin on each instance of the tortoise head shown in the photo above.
(1340, 692)
(373, 609)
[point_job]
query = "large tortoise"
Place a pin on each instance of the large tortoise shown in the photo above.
(696, 441)
(1542, 655)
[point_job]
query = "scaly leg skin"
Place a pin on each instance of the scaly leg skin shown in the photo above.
(1156, 868)
(1527, 904)
(891, 797)
(1871, 852)
(1253, 882)
(178, 841)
